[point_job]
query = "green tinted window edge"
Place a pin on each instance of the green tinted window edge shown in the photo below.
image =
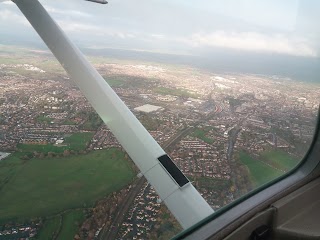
(226, 208)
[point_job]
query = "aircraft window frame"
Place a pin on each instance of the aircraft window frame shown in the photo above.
(225, 220)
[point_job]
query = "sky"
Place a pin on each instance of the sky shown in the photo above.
(285, 27)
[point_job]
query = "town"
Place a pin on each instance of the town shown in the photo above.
(212, 125)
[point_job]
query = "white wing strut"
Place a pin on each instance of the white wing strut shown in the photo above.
(175, 190)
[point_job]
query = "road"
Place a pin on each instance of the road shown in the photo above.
(232, 140)
(112, 231)
(122, 209)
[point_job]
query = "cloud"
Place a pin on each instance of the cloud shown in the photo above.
(93, 30)
(67, 13)
(158, 36)
(7, 2)
(72, 26)
(118, 27)
(7, 15)
(254, 41)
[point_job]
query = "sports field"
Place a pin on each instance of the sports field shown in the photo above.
(280, 159)
(260, 172)
(44, 187)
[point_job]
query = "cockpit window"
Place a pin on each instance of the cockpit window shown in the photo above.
(229, 89)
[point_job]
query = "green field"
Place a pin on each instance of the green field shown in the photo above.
(42, 59)
(76, 142)
(115, 82)
(43, 118)
(93, 122)
(260, 173)
(49, 229)
(43, 187)
(70, 224)
(9, 169)
(68, 122)
(201, 134)
(280, 159)
(64, 226)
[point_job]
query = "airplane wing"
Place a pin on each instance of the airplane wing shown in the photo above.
(174, 189)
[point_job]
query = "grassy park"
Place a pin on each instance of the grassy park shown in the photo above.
(70, 224)
(63, 226)
(271, 164)
(50, 228)
(44, 187)
(280, 159)
(201, 134)
(260, 172)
